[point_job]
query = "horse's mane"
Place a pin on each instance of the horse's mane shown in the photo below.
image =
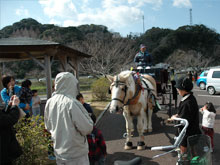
(124, 74)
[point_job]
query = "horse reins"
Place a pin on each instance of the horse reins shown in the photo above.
(117, 83)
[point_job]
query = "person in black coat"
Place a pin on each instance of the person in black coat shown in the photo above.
(188, 109)
(9, 146)
(80, 98)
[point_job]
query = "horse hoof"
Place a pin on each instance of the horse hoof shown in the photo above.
(140, 146)
(145, 131)
(149, 130)
(132, 132)
(128, 146)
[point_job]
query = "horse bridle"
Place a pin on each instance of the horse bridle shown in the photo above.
(117, 83)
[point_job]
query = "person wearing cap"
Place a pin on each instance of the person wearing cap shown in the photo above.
(188, 109)
(143, 58)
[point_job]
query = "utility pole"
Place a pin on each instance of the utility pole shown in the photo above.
(190, 15)
(143, 24)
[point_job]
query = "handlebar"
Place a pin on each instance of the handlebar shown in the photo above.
(178, 140)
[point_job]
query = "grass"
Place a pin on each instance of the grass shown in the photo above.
(85, 88)
(97, 106)
(85, 85)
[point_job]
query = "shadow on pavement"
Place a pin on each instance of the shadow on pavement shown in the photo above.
(113, 126)
(127, 156)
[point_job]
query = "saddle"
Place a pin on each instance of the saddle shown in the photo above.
(135, 161)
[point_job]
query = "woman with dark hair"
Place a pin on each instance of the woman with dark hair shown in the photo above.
(11, 89)
(188, 109)
(208, 120)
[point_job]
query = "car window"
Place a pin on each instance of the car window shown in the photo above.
(205, 74)
(216, 74)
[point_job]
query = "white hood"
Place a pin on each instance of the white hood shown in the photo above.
(67, 80)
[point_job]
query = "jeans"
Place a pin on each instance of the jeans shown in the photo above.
(101, 161)
(36, 111)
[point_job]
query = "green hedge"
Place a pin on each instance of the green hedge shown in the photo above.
(33, 140)
(100, 89)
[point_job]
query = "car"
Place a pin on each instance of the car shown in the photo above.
(89, 76)
(201, 80)
(213, 81)
(42, 79)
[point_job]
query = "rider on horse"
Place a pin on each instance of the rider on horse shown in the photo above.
(143, 58)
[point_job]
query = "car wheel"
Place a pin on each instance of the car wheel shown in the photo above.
(202, 86)
(211, 90)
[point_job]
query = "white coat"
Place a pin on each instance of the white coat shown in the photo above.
(67, 120)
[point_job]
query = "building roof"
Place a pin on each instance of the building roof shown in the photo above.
(13, 49)
(25, 41)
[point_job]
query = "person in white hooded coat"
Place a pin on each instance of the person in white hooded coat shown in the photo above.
(68, 122)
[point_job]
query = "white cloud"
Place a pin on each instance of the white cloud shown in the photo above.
(55, 22)
(53, 8)
(182, 3)
(111, 13)
(22, 12)
(67, 23)
(156, 4)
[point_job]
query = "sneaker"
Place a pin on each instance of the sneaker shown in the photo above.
(51, 157)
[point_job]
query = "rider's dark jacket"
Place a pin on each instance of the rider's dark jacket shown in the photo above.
(189, 110)
(143, 59)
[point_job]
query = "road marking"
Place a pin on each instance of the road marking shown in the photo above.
(199, 90)
(209, 95)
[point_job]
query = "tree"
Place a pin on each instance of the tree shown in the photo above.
(109, 55)
(188, 59)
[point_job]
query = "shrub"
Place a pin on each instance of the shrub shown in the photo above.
(100, 89)
(33, 140)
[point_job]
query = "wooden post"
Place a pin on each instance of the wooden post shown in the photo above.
(63, 60)
(48, 75)
(74, 63)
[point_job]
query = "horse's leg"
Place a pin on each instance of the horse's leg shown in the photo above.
(140, 128)
(129, 128)
(145, 122)
(149, 119)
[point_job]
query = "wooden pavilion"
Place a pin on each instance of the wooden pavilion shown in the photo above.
(43, 52)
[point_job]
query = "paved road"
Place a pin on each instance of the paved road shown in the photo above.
(113, 127)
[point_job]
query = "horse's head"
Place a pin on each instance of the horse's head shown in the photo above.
(121, 89)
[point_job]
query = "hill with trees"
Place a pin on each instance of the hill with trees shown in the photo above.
(187, 46)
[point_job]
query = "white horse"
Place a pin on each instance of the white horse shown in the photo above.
(133, 97)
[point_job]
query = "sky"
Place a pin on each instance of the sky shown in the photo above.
(123, 16)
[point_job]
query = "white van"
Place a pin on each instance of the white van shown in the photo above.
(213, 81)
